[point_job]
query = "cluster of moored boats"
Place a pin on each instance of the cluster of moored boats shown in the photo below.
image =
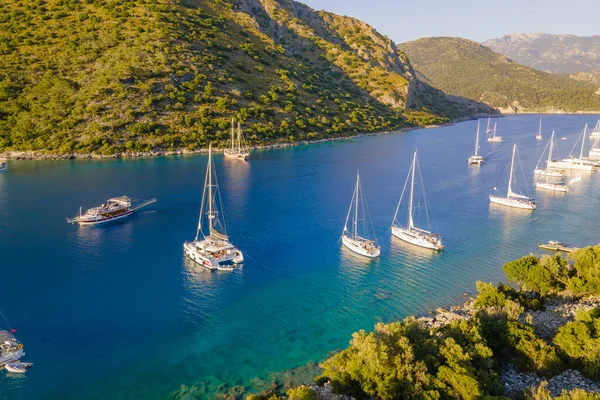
(550, 176)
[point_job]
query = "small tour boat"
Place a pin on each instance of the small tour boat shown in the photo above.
(236, 152)
(3, 165)
(513, 199)
(492, 137)
(17, 367)
(353, 239)
(539, 134)
(10, 348)
(555, 245)
(476, 159)
(214, 251)
(114, 209)
(410, 233)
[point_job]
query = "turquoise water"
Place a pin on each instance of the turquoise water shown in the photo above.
(115, 311)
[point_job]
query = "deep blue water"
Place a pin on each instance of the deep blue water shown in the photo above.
(115, 311)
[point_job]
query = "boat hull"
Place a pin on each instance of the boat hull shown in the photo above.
(571, 165)
(225, 263)
(12, 357)
(555, 187)
(418, 238)
(103, 220)
(495, 139)
(514, 203)
(236, 156)
(475, 160)
(357, 246)
(543, 172)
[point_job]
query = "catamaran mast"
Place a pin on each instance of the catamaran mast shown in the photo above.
(210, 211)
(583, 141)
(512, 165)
(477, 141)
(551, 148)
(412, 185)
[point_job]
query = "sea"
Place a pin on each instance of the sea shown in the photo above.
(116, 312)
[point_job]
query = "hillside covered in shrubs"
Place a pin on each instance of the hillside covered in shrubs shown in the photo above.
(81, 76)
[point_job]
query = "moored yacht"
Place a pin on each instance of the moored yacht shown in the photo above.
(410, 233)
(595, 133)
(237, 151)
(546, 178)
(476, 159)
(212, 249)
(114, 209)
(580, 163)
(10, 348)
(352, 239)
(492, 137)
(513, 199)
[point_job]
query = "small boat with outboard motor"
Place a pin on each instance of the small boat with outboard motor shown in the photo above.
(114, 209)
(17, 367)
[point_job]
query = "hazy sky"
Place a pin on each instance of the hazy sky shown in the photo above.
(478, 20)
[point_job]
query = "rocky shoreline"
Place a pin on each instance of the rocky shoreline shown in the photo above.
(40, 155)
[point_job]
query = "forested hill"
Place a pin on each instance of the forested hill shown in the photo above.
(465, 68)
(120, 76)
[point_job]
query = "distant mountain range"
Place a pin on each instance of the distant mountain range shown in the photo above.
(561, 54)
(468, 69)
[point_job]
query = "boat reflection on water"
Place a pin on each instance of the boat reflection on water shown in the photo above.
(199, 278)
(94, 240)
(514, 222)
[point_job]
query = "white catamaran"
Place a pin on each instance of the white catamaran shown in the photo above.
(213, 250)
(410, 233)
(237, 152)
(492, 137)
(353, 239)
(573, 163)
(539, 134)
(513, 199)
(476, 159)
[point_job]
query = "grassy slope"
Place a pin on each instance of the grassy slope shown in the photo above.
(465, 68)
(81, 76)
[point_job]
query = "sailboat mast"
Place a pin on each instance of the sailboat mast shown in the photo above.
(540, 128)
(355, 224)
(412, 185)
(477, 141)
(512, 166)
(583, 141)
(494, 133)
(210, 197)
(232, 129)
(239, 138)
(488, 125)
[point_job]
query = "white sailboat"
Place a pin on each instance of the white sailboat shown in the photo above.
(493, 138)
(488, 130)
(410, 233)
(212, 248)
(595, 133)
(539, 134)
(573, 163)
(353, 239)
(548, 179)
(513, 199)
(546, 171)
(476, 159)
(236, 152)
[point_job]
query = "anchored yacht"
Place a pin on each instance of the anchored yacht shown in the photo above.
(114, 209)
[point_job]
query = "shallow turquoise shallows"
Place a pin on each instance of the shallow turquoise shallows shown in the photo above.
(114, 312)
